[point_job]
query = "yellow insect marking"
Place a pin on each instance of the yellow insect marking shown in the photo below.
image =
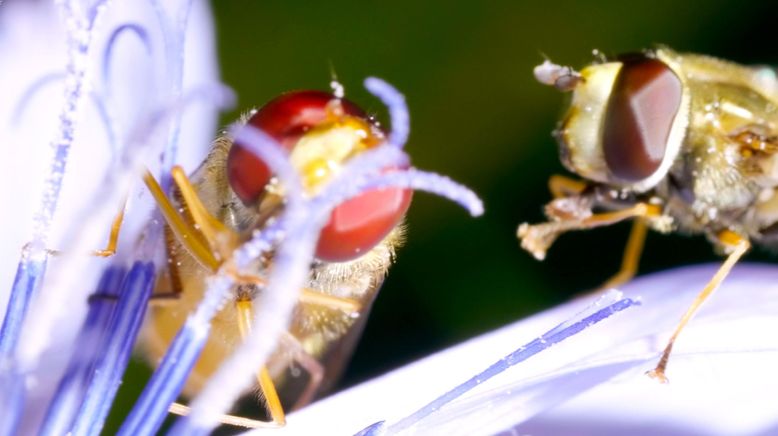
(320, 153)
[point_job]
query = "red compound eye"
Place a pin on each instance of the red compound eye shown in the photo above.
(359, 224)
(354, 226)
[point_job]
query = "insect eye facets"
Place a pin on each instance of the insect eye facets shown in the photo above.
(247, 174)
(305, 119)
(357, 225)
(642, 107)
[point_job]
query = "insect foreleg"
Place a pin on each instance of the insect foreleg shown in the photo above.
(187, 235)
(537, 238)
(563, 186)
(219, 237)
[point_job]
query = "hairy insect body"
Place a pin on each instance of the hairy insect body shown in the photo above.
(724, 176)
(323, 333)
(310, 171)
(316, 329)
(677, 142)
(721, 167)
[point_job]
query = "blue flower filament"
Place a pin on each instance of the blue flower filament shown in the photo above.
(554, 336)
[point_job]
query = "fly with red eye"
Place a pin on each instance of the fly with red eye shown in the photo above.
(354, 226)
(307, 166)
(285, 118)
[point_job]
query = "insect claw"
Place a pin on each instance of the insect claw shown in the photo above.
(659, 375)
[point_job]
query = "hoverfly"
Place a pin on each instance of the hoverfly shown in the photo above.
(232, 195)
(676, 142)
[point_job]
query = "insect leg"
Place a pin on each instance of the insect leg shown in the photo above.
(113, 238)
(738, 246)
(312, 366)
(307, 295)
(563, 186)
(266, 385)
(219, 237)
(314, 297)
(186, 234)
(632, 252)
(537, 238)
(171, 275)
(184, 410)
(237, 421)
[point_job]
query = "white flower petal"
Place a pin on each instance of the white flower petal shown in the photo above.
(722, 372)
(32, 47)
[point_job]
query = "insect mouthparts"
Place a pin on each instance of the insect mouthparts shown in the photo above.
(560, 77)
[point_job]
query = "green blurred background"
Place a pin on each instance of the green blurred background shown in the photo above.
(478, 116)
